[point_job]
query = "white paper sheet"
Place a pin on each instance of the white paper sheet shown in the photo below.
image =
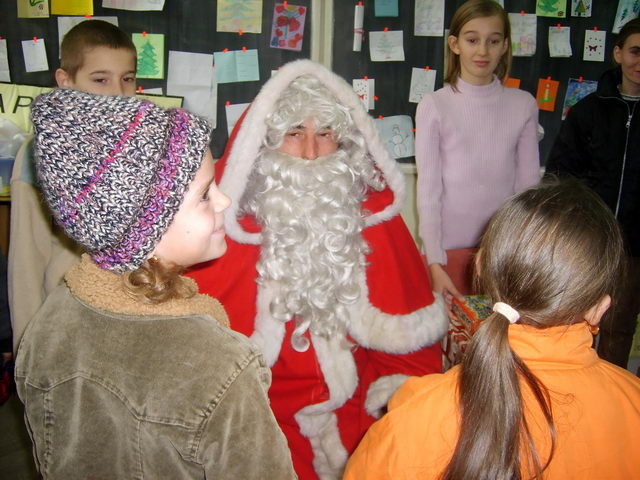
(365, 89)
(559, 42)
(594, 42)
(429, 18)
(139, 5)
(523, 34)
(5, 75)
(35, 55)
(192, 76)
(233, 113)
(422, 82)
(386, 46)
(358, 23)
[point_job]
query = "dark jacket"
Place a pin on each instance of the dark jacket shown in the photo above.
(149, 395)
(599, 143)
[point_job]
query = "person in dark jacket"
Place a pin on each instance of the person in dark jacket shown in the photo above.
(599, 143)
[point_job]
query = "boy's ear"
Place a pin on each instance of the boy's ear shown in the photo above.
(595, 313)
(63, 79)
(453, 44)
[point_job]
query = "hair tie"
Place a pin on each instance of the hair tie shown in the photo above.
(507, 310)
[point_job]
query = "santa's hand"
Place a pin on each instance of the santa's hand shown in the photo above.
(381, 391)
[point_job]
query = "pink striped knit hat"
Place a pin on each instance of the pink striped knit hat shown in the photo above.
(114, 170)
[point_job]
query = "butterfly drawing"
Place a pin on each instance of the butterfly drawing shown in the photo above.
(593, 48)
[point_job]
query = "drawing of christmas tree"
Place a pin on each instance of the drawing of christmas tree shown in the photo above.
(581, 9)
(236, 9)
(147, 62)
(548, 6)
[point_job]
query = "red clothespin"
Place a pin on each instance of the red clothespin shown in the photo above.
(225, 50)
(595, 29)
(1, 37)
(139, 89)
(375, 97)
(413, 130)
(35, 39)
(144, 34)
(522, 12)
(87, 16)
(580, 79)
(366, 79)
(380, 117)
(240, 31)
(360, 4)
(559, 27)
(284, 4)
(426, 69)
(386, 29)
(227, 103)
(244, 49)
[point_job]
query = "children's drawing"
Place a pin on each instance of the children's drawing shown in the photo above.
(627, 10)
(523, 34)
(547, 94)
(386, 8)
(429, 18)
(559, 43)
(422, 82)
(594, 42)
(33, 9)
(150, 49)
(358, 24)
(72, 7)
(234, 15)
(397, 135)
(35, 55)
(386, 46)
(365, 89)
(581, 8)
(287, 30)
(551, 8)
(576, 91)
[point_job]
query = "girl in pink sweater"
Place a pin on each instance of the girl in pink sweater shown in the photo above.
(476, 143)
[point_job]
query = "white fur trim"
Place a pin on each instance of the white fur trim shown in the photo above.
(380, 391)
(372, 328)
(253, 130)
(329, 455)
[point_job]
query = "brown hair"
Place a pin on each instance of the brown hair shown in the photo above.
(158, 281)
(87, 35)
(551, 253)
(630, 28)
(469, 11)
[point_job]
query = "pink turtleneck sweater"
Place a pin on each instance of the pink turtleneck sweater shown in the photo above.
(474, 148)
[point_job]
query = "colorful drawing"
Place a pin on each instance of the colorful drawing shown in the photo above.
(150, 49)
(365, 89)
(523, 34)
(594, 42)
(396, 133)
(429, 18)
(33, 9)
(287, 30)
(551, 8)
(577, 89)
(547, 94)
(511, 82)
(559, 42)
(235, 15)
(581, 8)
(627, 10)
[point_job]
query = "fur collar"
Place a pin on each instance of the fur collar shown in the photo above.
(104, 290)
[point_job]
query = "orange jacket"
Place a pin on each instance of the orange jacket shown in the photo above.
(596, 411)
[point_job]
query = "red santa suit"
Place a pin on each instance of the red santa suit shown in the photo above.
(324, 398)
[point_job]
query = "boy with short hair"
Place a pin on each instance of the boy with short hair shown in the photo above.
(96, 57)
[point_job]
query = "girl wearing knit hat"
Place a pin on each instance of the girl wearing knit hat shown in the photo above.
(126, 370)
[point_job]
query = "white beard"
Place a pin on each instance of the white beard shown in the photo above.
(312, 244)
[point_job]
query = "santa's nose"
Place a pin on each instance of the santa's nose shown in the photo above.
(310, 148)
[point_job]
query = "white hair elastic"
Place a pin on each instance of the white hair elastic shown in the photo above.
(507, 310)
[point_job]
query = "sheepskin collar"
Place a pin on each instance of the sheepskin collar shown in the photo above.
(104, 290)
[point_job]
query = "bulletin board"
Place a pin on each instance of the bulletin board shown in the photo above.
(188, 26)
(393, 79)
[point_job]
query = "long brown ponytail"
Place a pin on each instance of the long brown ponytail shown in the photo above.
(551, 253)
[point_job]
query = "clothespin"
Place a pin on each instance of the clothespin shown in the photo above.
(375, 97)
(595, 29)
(386, 29)
(426, 69)
(225, 50)
(559, 27)
(244, 49)
(35, 39)
(380, 117)
(240, 31)
(87, 16)
(360, 4)
(522, 12)
(580, 79)
(227, 103)
(413, 130)
(366, 79)
(144, 34)
(139, 89)
(284, 4)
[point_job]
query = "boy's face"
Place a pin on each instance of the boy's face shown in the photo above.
(104, 71)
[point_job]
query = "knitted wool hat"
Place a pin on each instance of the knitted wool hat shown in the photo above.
(114, 170)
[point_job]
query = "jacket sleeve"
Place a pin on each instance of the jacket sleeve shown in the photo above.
(528, 156)
(569, 153)
(429, 181)
(242, 438)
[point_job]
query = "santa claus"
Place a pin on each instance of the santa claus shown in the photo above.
(321, 271)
